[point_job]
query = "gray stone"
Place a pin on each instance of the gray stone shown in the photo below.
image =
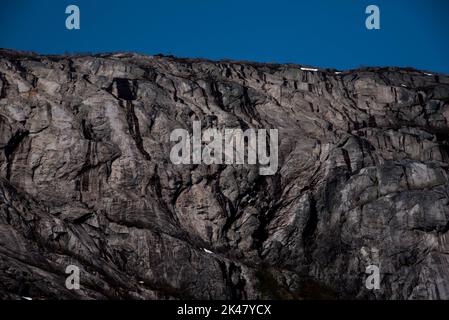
(86, 179)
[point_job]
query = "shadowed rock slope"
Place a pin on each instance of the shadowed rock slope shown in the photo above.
(86, 180)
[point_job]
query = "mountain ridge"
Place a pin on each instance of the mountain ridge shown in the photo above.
(86, 180)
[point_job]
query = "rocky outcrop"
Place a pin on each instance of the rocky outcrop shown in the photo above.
(86, 180)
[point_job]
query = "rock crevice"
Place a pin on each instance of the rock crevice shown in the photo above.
(86, 180)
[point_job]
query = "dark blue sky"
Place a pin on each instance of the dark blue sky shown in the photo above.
(325, 33)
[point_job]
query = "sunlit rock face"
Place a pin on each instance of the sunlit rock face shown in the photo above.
(86, 180)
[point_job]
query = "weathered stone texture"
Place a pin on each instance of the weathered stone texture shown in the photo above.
(86, 179)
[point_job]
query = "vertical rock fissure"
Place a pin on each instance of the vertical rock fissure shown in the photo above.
(134, 129)
(308, 233)
(10, 149)
(3, 86)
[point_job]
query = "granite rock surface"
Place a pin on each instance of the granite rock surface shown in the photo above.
(86, 180)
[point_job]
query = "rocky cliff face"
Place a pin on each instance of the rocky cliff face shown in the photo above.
(86, 180)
